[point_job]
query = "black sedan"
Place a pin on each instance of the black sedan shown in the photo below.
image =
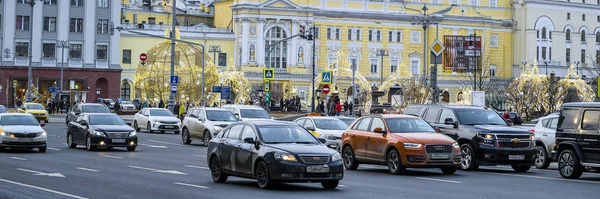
(272, 151)
(101, 130)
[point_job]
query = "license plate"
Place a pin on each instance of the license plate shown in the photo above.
(118, 140)
(440, 156)
(169, 127)
(317, 169)
(25, 140)
(516, 157)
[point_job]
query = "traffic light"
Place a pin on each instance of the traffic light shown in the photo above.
(268, 97)
(302, 32)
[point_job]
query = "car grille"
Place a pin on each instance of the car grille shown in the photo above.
(169, 122)
(25, 135)
(512, 136)
(117, 134)
(438, 148)
(315, 159)
(514, 145)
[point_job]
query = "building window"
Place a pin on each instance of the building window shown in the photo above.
(568, 35)
(598, 37)
(568, 16)
(583, 36)
(492, 70)
(317, 32)
(414, 67)
(583, 17)
(329, 33)
(279, 53)
(583, 56)
(474, 2)
(393, 66)
(354, 34)
(550, 53)
(102, 3)
(21, 49)
(50, 24)
(598, 17)
(493, 3)
(50, 2)
(543, 53)
(49, 50)
(102, 26)
(78, 3)
(537, 34)
(125, 91)
(126, 56)
(75, 51)
(222, 59)
(101, 52)
(374, 66)
(395, 36)
(22, 22)
(374, 35)
(435, 1)
(354, 64)
(544, 33)
(598, 57)
(537, 53)
(568, 55)
(550, 34)
(76, 25)
(151, 20)
(334, 33)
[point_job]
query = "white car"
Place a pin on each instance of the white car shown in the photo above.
(545, 133)
(329, 128)
(127, 106)
(248, 112)
(156, 119)
(19, 130)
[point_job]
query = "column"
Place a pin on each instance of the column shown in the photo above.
(293, 55)
(89, 31)
(245, 34)
(36, 26)
(62, 28)
(260, 46)
(115, 40)
(8, 30)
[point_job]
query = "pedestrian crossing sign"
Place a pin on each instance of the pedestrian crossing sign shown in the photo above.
(269, 74)
(326, 77)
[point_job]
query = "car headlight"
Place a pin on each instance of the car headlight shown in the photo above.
(532, 136)
(285, 157)
(98, 133)
(217, 128)
(455, 145)
(132, 133)
(329, 137)
(412, 145)
(43, 134)
(486, 138)
(336, 157)
(2, 133)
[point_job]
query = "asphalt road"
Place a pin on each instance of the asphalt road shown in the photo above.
(162, 167)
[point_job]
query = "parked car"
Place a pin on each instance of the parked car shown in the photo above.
(127, 106)
(3, 109)
(329, 128)
(246, 112)
(400, 142)
(18, 130)
(484, 137)
(156, 119)
(111, 102)
(35, 109)
(577, 139)
(545, 131)
(137, 103)
(101, 130)
(85, 108)
(347, 120)
(205, 123)
(272, 152)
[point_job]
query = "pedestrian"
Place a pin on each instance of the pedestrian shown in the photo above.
(345, 106)
(65, 106)
(117, 107)
(506, 116)
(338, 108)
(351, 108)
(176, 109)
(19, 103)
(161, 104)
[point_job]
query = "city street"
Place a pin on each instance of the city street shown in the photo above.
(162, 167)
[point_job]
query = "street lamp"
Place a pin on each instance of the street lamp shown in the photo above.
(546, 63)
(29, 68)
(382, 53)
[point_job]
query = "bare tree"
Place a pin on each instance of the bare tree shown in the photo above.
(488, 80)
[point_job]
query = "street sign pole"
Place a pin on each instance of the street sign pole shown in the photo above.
(171, 103)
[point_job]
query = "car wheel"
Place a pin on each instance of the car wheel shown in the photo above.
(70, 142)
(569, 165)
(520, 168)
(176, 132)
(394, 162)
(262, 176)
(330, 184)
(185, 137)
(206, 138)
(88, 144)
(467, 158)
(217, 173)
(135, 126)
(148, 128)
(349, 159)
(449, 170)
(131, 148)
(542, 161)
(42, 149)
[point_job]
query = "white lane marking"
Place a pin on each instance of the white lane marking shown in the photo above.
(203, 156)
(197, 167)
(342, 185)
(86, 169)
(165, 142)
(158, 170)
(18, 158)
(154, 146)
(54, 149)
(438, 180)
(191, 185)
(545, 178)
(43, 189)
(38, 173)
(110, 156)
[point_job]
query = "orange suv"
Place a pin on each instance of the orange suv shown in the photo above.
(400, 142)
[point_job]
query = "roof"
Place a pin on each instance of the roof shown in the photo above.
(92, 104)
(270, 123)
(31, 103)
(243, 106)
(210, 108)
(389, 116)
(99, 114)
(5, 114)
(582, 104)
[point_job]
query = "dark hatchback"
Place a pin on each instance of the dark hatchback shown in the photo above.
(272, 151)
(101, 130)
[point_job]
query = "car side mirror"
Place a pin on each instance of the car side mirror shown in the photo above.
(378, 130)
(77, 113)
(311, 128)
(83, 123)
(437, 129)
(237, 115)
(249, 140)
(322, 140)
(128, 123)
(448, 121)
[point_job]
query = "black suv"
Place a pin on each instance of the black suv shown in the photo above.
(578, 139)
(484, 137)
(85, 108)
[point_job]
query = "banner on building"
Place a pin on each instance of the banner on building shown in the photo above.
(462, 53)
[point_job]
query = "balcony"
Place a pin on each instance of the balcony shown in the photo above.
(158, 27)
(21, 61)
(48, 62)
(76, 63)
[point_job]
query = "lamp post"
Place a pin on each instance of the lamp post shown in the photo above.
(546, 63)
(171, 103)
(382, 53)
(214, 50)
(30, 54)
(577, 66)
(62, 44)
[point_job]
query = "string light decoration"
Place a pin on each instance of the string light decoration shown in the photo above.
(413, 89)
(152, 80)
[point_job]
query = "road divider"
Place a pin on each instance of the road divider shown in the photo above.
(39, 173)
(43, 189)
(158, 170)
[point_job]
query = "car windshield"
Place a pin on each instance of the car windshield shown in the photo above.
(11, 120)
(286, 134)
(330, 124)
(408, 125)
(226, 116)
(479, 117)
(255, 113)
(95, 109)
(106, 120)
(3, 109)
(34, 107)
(160, 112)
(347, 121)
